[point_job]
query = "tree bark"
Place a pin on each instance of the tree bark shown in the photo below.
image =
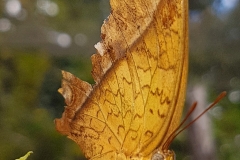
(200, 136)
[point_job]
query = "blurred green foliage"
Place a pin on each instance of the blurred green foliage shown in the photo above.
(32, 54)
(25, 124)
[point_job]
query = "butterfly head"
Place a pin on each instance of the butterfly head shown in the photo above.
(163, 155)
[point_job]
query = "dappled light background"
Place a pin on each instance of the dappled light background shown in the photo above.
(38, 38)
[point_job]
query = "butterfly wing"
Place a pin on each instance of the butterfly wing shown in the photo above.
(140, 72)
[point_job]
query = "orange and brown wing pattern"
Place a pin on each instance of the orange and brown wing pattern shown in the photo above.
(140, 70)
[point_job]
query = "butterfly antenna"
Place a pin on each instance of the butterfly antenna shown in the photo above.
(173, 134)
(177, 131)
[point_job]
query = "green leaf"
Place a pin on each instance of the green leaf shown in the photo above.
(25, 157)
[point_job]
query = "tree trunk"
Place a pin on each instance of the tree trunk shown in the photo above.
(200, 136)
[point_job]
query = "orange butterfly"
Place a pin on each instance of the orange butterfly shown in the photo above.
(140, 71)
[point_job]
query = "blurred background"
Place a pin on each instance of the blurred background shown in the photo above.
(38, 38)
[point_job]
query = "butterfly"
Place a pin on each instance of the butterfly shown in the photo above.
(140, 70)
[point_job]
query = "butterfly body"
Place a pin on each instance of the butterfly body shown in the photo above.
(137, 100)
